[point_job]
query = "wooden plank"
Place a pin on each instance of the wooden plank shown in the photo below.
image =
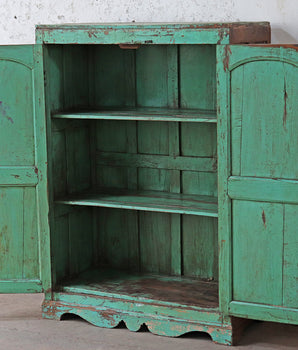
(224, 169)
(31, 262)
(152, 76)
(114, 82)
(42, 164)
(78, 153)
(155, 235)
(148, 288)
(265, 190)
(198, 76)
(21, 286)
(200, 247)
(198, 140)
(257, 252)
(173, 76)
(111, 35)
(75, 76)
(18, 175)
(148, 201)
(150, 114)
(199, 182)
(160, 33)
(80, 240)
(175, 243)
(290, 257)
(59, 163)
(61, 246)
(118, 244)
(117, 159)
(264, 312)
(145, 306)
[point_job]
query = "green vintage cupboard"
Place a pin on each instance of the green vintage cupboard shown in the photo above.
(148, 174)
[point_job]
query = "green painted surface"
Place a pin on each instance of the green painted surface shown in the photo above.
(22, 164)
(259, 202)
(158, 114)
(290, 254)
(257, 273)
(137, 129)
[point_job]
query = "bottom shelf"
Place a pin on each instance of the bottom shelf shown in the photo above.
(126, 285)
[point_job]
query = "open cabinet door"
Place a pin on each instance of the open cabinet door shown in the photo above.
(24, 248)
(258, 181)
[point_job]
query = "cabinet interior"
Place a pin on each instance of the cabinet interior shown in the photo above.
(133, 171)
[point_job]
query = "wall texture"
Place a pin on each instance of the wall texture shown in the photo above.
(18, 17)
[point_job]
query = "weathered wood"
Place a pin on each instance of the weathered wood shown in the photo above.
(133, 160)
(264, 190)
(153, 33)
(257, 273)
(153, 114)
(262, 194)
(148, 201)
(22, 172)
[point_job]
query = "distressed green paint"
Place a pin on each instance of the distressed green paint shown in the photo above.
(257, 273)
(161, 325)
(153, 114)
(265, 190)
(290, 253)
(24, 235)
(133, 151)
(260, 200)
(264, 312)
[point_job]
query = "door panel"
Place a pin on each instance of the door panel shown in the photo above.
(264, 108)
(20, 169)
(258, 180)
(17, 115)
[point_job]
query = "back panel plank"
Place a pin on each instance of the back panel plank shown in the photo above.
(199, 242)
(197, 76)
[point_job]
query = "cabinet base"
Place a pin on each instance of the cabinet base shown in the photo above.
(157, 324)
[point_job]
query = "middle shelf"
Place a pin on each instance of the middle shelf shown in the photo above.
(143, 114)
(148, 201)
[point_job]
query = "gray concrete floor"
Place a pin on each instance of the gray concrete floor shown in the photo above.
(21, 327)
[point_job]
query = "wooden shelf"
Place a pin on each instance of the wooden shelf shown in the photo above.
(146, 287)
(149, 114)
(148, 201)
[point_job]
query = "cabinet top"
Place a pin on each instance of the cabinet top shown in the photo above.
(154, 33)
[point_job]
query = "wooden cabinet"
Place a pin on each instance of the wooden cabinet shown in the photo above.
(112, 201)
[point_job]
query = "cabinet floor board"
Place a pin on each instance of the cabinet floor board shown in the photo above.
(139, 286)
